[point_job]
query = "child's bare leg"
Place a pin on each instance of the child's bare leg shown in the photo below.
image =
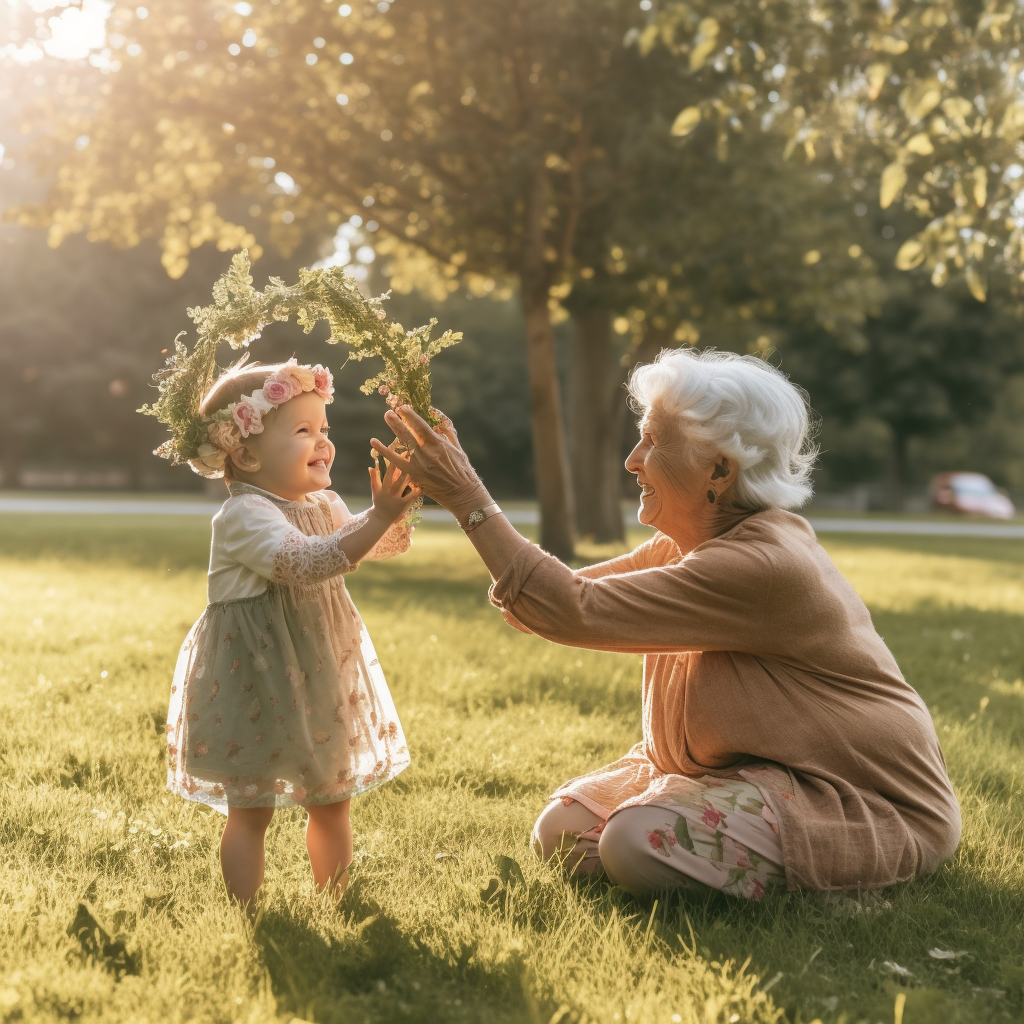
(242, 856)
(329, 842)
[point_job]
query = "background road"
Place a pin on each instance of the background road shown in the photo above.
(519, 516)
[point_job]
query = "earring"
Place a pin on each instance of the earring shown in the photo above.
(711, 497)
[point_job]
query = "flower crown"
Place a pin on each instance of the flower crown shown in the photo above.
(226, 427)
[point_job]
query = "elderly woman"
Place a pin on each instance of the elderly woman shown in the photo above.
(781, 745)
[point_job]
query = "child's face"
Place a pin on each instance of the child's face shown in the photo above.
(294, 453)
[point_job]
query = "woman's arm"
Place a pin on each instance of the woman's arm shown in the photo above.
(437, 463)
(714, 600)
(658, 550)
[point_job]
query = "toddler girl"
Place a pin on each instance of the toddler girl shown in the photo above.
(278, 698)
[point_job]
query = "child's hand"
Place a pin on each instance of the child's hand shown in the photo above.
(392, 492)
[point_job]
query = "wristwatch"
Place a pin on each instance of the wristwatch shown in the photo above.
(478, 515)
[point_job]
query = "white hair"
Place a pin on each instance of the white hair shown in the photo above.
(739, 407)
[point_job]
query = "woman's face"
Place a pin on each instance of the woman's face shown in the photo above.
(671, 490)
(294, 453)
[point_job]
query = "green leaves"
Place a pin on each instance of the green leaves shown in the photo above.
(920, 145)
(889, 44)
(920, 99)
(911, 254)
(979, 180)
(705, 43)
(510, 875)
(95, 941)
(238, 315)
(975, 279)
(686, 121)
(894, 177)
(1012, 125)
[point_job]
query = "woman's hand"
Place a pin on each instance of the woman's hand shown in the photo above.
(434, 459)
(392, 493)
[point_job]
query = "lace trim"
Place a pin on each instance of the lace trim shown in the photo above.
(396, 541)
(304, 561)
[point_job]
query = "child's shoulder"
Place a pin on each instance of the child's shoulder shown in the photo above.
(331, 497)
(242, 506)
(335, 505)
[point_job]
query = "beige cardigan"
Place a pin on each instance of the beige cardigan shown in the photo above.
(760, 658)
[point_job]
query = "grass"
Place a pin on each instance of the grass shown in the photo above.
(93, 611)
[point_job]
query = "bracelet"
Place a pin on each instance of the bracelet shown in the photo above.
(478, 515)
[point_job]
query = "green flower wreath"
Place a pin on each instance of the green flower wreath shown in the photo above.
(238, 316)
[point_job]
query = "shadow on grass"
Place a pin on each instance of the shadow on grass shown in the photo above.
(846, 956)
(380, 973)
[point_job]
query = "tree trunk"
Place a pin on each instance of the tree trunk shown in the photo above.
(551, 465)
(11, 457)
(597, 420)
(550, 456)
(899, 477)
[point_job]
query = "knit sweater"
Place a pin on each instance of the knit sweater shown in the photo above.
(760, 660)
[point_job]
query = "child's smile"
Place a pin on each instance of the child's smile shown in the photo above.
(293, 451)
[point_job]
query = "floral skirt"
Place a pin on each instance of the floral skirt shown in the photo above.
(280, 700)
(698, 833)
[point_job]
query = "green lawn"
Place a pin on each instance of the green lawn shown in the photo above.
(93, 611)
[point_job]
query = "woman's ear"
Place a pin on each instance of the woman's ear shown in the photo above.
(721, 477)
(244, 460)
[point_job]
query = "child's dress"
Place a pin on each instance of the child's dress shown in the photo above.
(278, 697)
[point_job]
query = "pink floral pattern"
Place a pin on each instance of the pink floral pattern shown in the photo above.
(278, 391)
(279, 699)
(709, 830)
(246, 419)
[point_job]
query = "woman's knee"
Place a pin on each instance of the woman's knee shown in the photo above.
(626, 856)
(547, 831)
(557, 820)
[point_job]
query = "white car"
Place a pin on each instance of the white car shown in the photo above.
(970, 494)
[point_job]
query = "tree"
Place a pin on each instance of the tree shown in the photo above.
(522, 143)
(491, 120)
(923, 362)
(499, 143)
(730, 253)
(922, 96)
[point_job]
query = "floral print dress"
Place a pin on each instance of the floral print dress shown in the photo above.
(278, 697)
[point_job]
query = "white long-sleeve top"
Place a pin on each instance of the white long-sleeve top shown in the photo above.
(254, 544)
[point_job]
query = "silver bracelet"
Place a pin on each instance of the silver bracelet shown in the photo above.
(479, 515)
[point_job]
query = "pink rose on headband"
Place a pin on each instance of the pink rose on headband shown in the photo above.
(323, 382)
(277, 391)
(248, 419)
(301, 377)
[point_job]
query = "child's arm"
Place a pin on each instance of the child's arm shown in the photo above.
(260, 538)
(397, 538)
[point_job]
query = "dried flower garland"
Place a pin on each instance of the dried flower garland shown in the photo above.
(238, 315)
